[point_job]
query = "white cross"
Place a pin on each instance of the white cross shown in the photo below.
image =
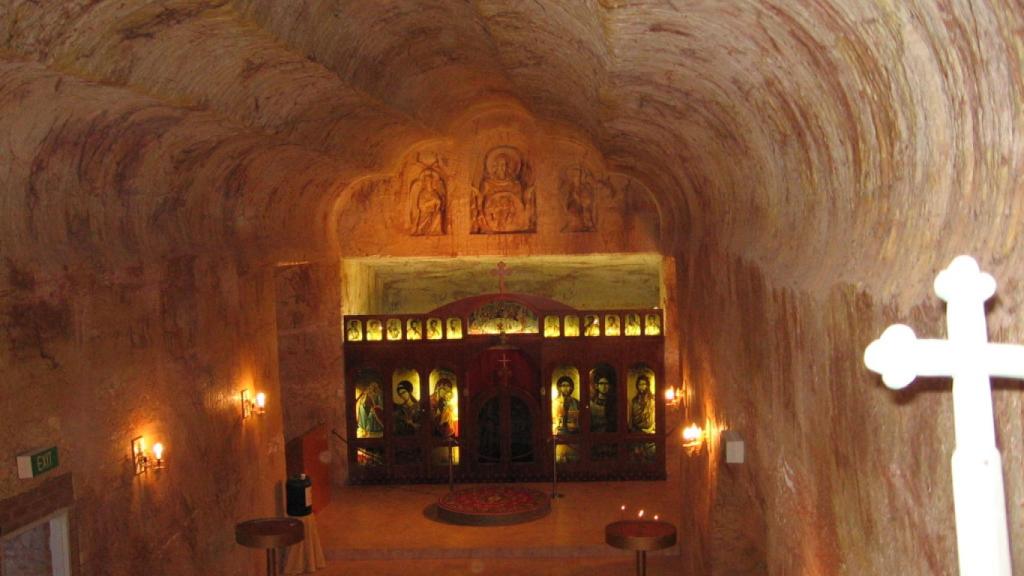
(899, 356)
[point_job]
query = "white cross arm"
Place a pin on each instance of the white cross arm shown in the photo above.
(900, 357)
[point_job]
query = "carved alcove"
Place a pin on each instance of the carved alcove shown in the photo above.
(500, 174)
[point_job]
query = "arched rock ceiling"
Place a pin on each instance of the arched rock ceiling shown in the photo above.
(811, 135)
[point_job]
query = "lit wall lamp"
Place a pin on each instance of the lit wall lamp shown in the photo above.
(672, 396)
(693, 437)
(158, 454)
(141, 458)
(250, 407)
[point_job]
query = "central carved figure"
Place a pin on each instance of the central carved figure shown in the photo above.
(505, 201)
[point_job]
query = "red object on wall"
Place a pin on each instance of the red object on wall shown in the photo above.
(303, 456)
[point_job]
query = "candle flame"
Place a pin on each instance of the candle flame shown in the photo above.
(640, 514)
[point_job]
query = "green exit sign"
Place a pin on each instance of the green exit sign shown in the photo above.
(32, 465)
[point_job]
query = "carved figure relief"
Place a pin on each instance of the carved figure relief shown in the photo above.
(505, 200)
(428, 199)
(579, 191)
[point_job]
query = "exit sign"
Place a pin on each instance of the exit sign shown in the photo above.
(32, 465)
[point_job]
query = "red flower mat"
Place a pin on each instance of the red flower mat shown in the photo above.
(493, 505)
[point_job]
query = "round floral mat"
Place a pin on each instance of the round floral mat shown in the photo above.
(491, 505)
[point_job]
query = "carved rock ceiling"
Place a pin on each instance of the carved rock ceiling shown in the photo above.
(800, 134)
(813, 164)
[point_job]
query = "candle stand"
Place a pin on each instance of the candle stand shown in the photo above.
(640, 536)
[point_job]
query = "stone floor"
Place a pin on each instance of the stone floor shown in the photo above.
(384, 530)
(620, 566)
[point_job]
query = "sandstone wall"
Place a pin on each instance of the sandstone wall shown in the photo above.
(843, 475)
(91, 361)
(308, 302)
(812, 165)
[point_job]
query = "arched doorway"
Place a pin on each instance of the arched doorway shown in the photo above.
(507, 421)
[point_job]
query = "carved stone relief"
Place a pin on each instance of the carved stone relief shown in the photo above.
(428, 197)
(505, 201)
(579, 190)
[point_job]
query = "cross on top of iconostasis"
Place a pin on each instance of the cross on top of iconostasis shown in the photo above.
(501, 272)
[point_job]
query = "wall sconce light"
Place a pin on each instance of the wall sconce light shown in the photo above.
(250, 407)
(158, 455)
(672, 396)
(246, 404)
(693, 436)
(141, 459)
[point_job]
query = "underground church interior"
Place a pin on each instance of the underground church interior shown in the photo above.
(593, 287)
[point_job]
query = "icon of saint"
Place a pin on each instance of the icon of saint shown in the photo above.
(602, 405)
(354, 331)
(433, 329)
(443, 415)
(394, 329)
(370, 412)
(407, 410)
(566, 408)
(641, 408)
(413, 330)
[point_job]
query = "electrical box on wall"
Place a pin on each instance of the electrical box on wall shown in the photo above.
(734, 449)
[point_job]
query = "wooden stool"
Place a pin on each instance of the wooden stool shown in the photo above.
(271, 534)
(641, 536)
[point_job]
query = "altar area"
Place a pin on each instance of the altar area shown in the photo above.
(505, 387)
(568, 541)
